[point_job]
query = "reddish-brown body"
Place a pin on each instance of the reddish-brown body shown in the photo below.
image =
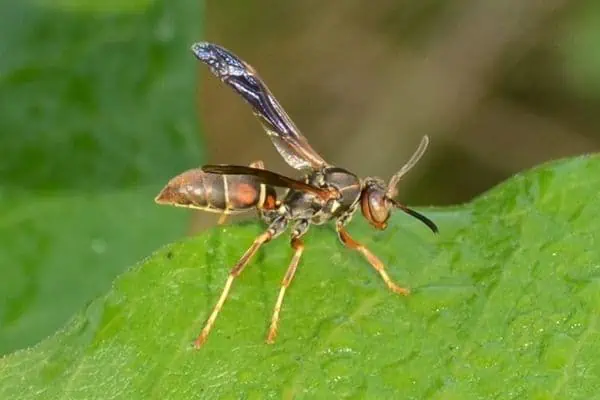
(223, 194)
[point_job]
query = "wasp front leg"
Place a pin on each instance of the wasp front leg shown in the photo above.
(375, 262)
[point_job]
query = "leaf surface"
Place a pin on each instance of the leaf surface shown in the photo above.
(505, 305)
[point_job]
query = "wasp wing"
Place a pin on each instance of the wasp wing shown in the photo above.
(290, 143)
(269, 178)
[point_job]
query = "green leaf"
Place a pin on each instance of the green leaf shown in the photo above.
(97, 113)
(505, 305)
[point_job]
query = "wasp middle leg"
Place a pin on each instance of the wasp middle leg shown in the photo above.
(299, 229)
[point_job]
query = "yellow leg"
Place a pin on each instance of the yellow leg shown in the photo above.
(257, 164)
(298, 247)
(235, 272)
(222, 219)
(372, 259)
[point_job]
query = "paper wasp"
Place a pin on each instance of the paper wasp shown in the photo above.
(326, 192)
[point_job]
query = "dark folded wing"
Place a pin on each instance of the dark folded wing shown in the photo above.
(286, 137)
(268, 177)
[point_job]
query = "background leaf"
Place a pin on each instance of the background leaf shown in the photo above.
(505, 305)
(97, 113)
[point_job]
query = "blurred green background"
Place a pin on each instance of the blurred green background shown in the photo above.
(100, 104)
(96, 113)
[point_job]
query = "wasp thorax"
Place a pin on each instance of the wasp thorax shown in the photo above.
(375, 205)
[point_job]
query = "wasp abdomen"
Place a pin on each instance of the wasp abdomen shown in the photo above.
(215, 192)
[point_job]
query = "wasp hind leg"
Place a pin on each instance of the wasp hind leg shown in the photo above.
(299, 229)
(254, 164)
(259, 164)
(275, 229)
(347, 240)
(222, 219)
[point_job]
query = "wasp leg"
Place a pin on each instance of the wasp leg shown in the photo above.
(298, 246)
(275, 229)
(255, 164)
(222, 219)
(347, 240)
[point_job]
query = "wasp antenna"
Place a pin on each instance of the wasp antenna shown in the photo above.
(391, 191)
(430, 224)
